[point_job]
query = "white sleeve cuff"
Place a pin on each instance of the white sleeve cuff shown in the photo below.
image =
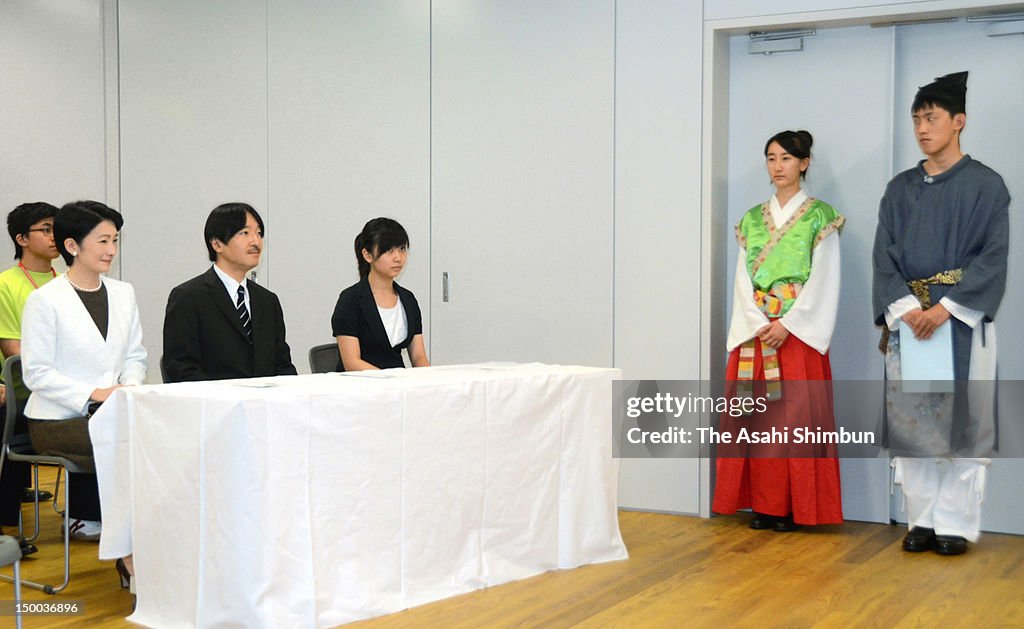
(897, 309)
(971, 317)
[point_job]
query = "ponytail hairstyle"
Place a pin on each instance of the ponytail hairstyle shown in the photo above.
(796, 143)
(379, 235)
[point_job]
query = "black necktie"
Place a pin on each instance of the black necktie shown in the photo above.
(243, 312)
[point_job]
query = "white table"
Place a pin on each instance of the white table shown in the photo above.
(317, 500)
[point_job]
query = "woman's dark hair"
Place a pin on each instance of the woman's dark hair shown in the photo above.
(225, 221)
(22, 218)
(796, 143)
(379, 235)
(77, 219)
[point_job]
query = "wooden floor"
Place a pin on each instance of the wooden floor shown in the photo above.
(682, 571)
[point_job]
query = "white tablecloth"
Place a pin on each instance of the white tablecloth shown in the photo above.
(316, 500)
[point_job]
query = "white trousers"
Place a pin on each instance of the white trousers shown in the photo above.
(942, 494)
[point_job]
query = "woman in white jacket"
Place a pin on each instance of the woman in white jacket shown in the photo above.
(81, 339)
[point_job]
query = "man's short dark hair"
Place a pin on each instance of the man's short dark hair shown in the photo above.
(22, 218)
(76, 219)
(227, 220)
(947, 92)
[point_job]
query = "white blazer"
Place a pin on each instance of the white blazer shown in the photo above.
(64, 356)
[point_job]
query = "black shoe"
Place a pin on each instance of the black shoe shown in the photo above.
(762, 521)
(950, 545)
(122, 572)
(30, 495)
(919, 539)
(786, 524)
(26, 548)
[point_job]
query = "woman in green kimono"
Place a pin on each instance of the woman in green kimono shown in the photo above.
(785, 298)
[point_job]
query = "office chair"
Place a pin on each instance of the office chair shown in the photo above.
(324, 358)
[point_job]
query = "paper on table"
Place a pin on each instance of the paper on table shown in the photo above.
(927, 366)
(253, 384)
(369, 373)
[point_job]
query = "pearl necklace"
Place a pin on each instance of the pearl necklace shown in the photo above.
(84, 290)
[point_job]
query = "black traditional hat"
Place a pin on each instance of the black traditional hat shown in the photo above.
(949, 92)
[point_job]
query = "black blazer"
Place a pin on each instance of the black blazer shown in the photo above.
(356, 315)
(204, 340)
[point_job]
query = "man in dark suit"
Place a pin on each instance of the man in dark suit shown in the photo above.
(220, 325)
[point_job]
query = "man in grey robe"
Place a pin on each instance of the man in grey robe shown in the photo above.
(940, 258)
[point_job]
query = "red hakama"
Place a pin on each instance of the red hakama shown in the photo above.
(809, 488)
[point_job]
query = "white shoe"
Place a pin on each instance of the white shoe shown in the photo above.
(84, 530)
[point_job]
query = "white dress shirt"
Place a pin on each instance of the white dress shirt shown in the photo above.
(231, 285)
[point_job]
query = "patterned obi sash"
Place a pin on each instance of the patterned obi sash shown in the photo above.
(919, 288)
(770, 303)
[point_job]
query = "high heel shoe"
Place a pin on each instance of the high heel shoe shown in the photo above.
(122, 571)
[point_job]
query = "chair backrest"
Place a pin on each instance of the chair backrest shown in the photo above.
(12, 378)
(324, 358)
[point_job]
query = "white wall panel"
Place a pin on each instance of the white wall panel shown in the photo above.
(349, 141)
(193, 135)
(522, 171)
(657, 222)
(657, 188)
(51, 103)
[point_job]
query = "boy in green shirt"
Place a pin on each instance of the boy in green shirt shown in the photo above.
(31, 228)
